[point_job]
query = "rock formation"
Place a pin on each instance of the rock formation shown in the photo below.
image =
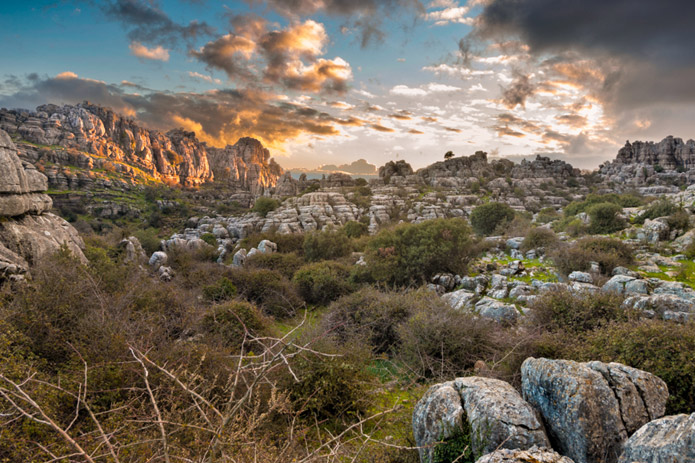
(532, 455)
(670, 439)
(93, 137)
(496, 414)
(28, 232)
(591, 409)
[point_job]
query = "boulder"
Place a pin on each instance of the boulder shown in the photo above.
(582, 277)
(158, 259)
(620, 283)
(496, 310)
(670, 439)
(495, 413)
(239, 258)
(461, 299)
(591, 408)
(267, 247)
(133, 250)
(533, 455)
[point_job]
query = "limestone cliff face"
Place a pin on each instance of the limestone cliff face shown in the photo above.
(175, 157)
(659, 167)
(28, 232)
(246, 164)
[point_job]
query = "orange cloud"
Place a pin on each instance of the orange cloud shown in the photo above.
(158, 53)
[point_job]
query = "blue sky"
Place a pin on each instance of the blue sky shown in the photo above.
(539, 77)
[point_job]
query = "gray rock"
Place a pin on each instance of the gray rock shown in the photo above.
(239, 258)
(617, 284)
(533, 455)
(590, 408)
(158, 259)
(267, 247)
(515, 243)
(496, 310)
(165, 273)
(133, 250)
(582, 277)
(497, 415)
(447, 280)
(461, 299)
(670, 439)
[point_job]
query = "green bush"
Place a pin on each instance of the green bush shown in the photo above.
(487, 218)
(287, 264)
(564, 310)
(326, 245)
(355, 229)
(235, 320)
(539, 238)
(440, 342)
(605, 218)
(372, 317)
(264, 205)
(149, 239)
(222, 290)
(323, 282)
(414, 253)
(547, 214)
(679, 220)
(656, 209)
(210, 239)
(607, 252)
(622, 200)
(268, 289)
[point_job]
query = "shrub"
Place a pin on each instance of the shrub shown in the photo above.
(287, 264)
(607, 252)
(372, 317)
(264, 205)
(287, 242)
(440, 342)
(325, 245)
(222, 290)
(331, 387)
(268, 289)
(622, 200)
(413, 253)
(233, 320)
(539, 238)
(656, 209)
(355, 229)
(149, 240)
(322, 282)
(210, 239)
(547, 214)
(679, 220)
(605, 218)
(577, 313)
(486, 218)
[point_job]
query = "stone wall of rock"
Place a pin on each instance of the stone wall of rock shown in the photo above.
(28, 232)
(65, 133)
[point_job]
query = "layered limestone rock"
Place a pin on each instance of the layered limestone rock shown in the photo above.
(532, 455)
(495, 413)
(670, 439)
(668, 163)
(28, 233)
(246, 165)
(591, 409)
(116, 143)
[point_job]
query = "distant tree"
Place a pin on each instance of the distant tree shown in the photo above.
(449, 155)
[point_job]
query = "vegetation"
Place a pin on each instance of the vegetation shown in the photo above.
(489, 217)
(264, 205)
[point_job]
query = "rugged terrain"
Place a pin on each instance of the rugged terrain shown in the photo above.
(201, 301)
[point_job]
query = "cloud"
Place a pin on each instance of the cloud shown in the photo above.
(381, 128)
(147, 24)
(404, 90)
(289, 57)
(449, 15)
(433, 87)
(158, 53)
(517, 93)
(209, 79)
(218, 117)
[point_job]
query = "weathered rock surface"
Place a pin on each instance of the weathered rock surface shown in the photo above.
(495, 412)
(532, 455)
(670, 439)
(118, 143)
(590, 409)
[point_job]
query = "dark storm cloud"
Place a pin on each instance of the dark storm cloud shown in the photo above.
(218, 117)
(660, 30)
(518, 91)
(148, 24)
(364, 16)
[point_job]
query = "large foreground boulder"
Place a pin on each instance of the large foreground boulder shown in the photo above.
(590, 409)
(670, 439)
(532, 455)
(494, 412)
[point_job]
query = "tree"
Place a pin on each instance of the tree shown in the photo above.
(486, 218)
(449, 155)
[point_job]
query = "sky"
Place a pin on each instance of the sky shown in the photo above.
(332, 81)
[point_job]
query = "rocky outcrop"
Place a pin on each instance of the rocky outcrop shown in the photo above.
(495, 413)
(28, 233)
(590, 409)
(93, 137)
(246, 165)
(645, 165)
(670, 439)
(532, 455)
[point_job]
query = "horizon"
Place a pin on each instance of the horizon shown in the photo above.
(330, 82)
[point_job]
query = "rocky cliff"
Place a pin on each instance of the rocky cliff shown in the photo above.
(94, 138)
(659, 167)
(28, 232)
